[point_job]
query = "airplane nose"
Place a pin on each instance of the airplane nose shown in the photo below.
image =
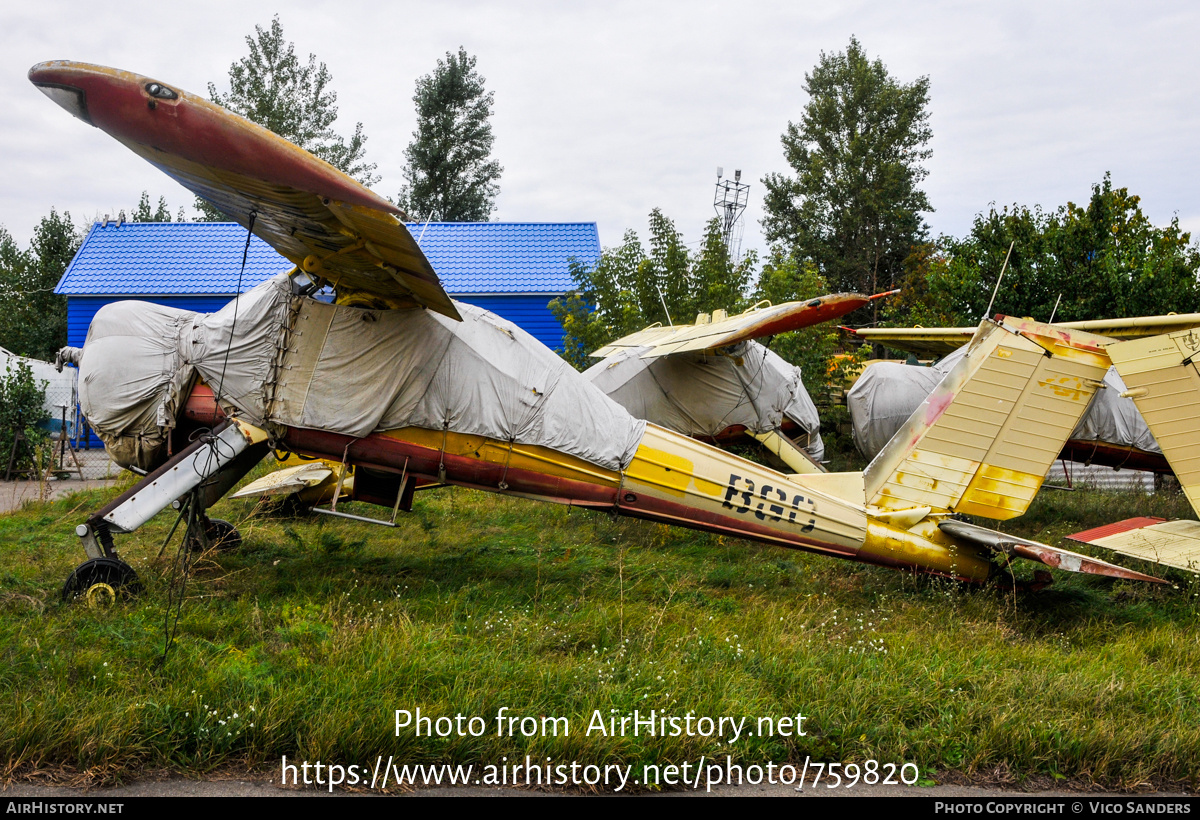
(58, 81)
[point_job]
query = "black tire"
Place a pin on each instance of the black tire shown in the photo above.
(222, 536)
(101, 578)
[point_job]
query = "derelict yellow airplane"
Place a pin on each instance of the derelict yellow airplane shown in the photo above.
(416, 385)
(669, 376)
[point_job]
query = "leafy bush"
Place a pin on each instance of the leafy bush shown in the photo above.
(22, 407)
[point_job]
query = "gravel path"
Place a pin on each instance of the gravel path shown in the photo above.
(15, 493)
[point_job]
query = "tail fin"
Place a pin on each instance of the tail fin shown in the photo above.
(985, 438)
(1163, 382)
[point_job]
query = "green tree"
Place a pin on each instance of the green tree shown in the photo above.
(629, 288)
(826, 365)
(14, 282)
(854, 206)
(449, 175)
(1105, 260)
(272, 87)
(33, 319)
(143, 212)
(22, 408)
(816, 350)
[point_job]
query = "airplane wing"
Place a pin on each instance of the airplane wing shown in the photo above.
(289, 480)
(938, 341)
(1043, 553)
(932, 342)
(326, 223)
(719, 330)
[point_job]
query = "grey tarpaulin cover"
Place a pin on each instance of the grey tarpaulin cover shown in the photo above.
(139, 361)
(1115, 420)
(341, 369)
(887, 393)
(355, 371)
(702, 395)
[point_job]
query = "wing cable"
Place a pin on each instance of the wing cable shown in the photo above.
(237, 295)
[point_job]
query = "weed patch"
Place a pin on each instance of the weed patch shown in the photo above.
(306, 640)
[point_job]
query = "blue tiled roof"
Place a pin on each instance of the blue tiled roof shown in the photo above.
(157, 258)
(507, 257)
(153, 258)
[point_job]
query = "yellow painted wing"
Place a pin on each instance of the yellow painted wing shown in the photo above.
(939, 341)
(719, 330)
(319, 218)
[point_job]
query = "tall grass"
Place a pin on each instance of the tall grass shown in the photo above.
(306, 641)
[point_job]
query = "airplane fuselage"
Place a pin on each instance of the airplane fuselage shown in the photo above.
(671, 479)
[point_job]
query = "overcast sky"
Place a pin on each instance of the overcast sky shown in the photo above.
(606, 110)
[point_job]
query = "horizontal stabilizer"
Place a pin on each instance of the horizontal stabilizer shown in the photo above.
(1171, 543)
(1042, 553)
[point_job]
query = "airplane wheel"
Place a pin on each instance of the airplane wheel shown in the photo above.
(222, 536)
(100, 581)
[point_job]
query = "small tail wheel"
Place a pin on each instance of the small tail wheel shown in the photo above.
(101, 581)
(222, 536)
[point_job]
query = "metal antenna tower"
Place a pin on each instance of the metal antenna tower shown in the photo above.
(730, 201)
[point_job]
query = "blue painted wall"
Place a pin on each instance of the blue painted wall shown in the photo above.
(528, 312)
(81, 309)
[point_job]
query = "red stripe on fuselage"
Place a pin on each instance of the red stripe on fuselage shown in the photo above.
(389, 453)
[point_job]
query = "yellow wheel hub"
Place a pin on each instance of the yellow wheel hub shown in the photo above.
(100, 596)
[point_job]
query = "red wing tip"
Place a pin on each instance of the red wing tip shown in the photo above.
(1087, 536)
